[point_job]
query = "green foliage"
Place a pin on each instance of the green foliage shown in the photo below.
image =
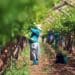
(63, 22)
(17, 17)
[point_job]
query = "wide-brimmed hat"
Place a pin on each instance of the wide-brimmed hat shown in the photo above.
(39, 26)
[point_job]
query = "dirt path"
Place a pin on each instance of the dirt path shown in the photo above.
(47, 67)
(41, 68)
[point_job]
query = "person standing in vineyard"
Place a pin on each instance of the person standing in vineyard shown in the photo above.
(50, 38)
(34, 44)
(57, 37)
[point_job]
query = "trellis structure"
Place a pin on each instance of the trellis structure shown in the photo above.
(59, 9)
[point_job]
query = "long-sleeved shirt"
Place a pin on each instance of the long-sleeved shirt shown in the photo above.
(35, 34)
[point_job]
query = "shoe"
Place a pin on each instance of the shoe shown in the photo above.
(35, 62)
